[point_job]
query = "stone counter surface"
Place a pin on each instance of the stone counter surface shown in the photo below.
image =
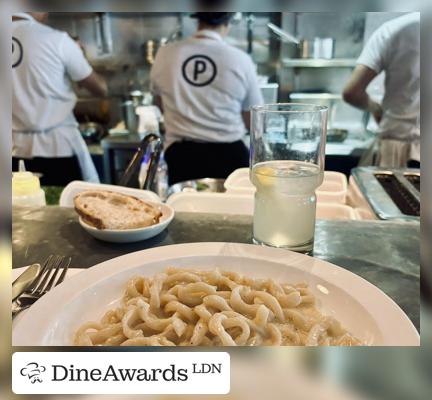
(387, 254)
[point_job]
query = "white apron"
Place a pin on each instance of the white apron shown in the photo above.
(61, 141)
(397, 143)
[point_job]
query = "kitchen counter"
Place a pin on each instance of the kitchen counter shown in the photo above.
(130, 141)
(95, 149)
(352, 144)
(386, 254)
(354, 141)
(340, 157)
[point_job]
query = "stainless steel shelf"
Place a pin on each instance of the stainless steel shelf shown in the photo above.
(315, 96)
(319, 63)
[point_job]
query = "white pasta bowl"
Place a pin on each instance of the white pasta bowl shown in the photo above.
(133, 235)
(362, 308)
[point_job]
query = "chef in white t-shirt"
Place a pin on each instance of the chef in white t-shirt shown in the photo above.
(45, 133)
(395, 49)
(205, 88)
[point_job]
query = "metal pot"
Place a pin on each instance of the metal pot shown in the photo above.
(336, 135)
(316, 48)
(91, 131)
(137, 98)
(130, 117)
(198, 185)
(140, 98)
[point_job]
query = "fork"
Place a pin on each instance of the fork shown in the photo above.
(43, 283)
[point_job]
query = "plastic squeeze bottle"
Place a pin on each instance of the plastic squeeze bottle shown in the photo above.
(26, 190)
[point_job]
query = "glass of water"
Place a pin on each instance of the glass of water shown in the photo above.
(286, 167)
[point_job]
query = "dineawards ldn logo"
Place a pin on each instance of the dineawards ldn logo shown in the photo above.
(33, 371)
(121, 373)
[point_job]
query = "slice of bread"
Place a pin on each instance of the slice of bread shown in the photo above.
(111, 210)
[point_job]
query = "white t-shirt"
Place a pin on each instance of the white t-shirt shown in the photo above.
(205, 84)
(44, 62)
(395, 49)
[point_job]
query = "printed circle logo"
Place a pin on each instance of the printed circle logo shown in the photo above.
(17, 52)
(199, 70)
(33, 371)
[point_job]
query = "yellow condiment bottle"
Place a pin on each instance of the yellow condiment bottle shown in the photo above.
(26, 190)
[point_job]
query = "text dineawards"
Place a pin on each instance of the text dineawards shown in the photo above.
(112, 374)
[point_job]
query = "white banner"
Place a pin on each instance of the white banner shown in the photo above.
(121, 373)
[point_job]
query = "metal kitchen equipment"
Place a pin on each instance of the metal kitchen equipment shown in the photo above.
(391, 193)
(129, 116)
(317, 48)
(284, 36)
(343, 119)
(136, 99)
(92, 131)
(152, 46)
(103, 33)
(148, 152)
(270, 92)
(173, 36)
(199, 185)
(336, 135)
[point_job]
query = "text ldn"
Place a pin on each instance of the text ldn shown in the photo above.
(72, 374)
(204, 368)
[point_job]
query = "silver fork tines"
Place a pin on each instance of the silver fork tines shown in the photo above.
(43, 283)
(46, 267)
(46, 285)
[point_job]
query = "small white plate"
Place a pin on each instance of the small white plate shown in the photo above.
(133, 235)
(76, 187)
(360, 306)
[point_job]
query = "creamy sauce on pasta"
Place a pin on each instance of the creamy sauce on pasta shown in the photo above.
(183, 307)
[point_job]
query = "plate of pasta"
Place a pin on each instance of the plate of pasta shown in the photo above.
(215, 294)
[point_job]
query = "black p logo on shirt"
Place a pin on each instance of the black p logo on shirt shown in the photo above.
(17, 52)
(199, 70)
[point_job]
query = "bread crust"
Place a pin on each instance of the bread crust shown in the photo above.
(125, 202)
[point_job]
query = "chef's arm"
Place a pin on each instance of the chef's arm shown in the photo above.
(95, 84)
(355, 93)
(246, 115)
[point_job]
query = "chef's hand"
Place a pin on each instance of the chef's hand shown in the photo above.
(376, 110)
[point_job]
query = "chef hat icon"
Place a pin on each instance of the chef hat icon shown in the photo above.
(32, 371)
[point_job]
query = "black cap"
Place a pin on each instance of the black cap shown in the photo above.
(214, 18)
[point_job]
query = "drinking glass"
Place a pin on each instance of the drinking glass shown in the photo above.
(286, 167)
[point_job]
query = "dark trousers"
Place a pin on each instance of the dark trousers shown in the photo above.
(57, 171)
(191, 160)
(413, 164)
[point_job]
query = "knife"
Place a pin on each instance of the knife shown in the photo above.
(21, 283)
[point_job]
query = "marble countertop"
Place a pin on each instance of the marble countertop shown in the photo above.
(387, 254)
